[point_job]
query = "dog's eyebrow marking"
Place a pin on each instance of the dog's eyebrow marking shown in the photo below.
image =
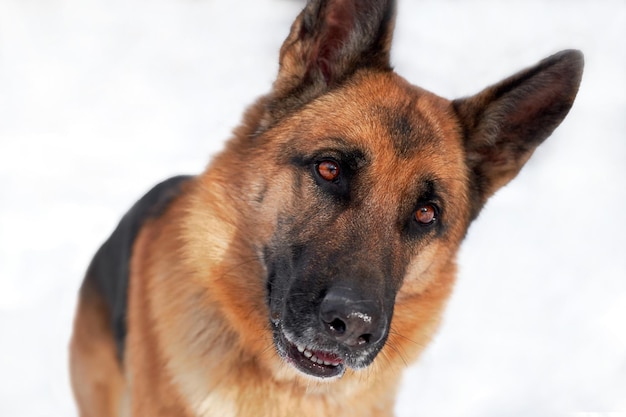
(407, 129)
(402, 135)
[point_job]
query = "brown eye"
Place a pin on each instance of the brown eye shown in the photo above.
(426, 214)
(328, 170)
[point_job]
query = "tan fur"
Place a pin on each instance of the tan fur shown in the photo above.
(200, 340)
(188, 293)
(97, 380)
(190, 288)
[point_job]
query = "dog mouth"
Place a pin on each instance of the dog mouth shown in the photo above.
(310, 361)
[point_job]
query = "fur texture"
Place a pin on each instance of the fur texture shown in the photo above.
(312, 260)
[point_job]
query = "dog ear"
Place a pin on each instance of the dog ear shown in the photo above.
(504, 123)
(328, 42)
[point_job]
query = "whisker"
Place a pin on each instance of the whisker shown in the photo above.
(395, 333)
(393, 347)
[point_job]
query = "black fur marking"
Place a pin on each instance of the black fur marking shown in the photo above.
(407, 128)
(402, 135)
(108, 273)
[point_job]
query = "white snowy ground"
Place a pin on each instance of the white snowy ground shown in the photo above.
(99, 99)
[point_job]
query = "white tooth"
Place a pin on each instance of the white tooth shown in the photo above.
(307, 353)
(300, 349)
(326, 363)
(313, 359)
(320, 362)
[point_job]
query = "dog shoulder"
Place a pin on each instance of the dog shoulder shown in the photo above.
(108, 273)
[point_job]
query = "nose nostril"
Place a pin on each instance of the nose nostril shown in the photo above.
(337, 326)
(364, 339)
(350, 319)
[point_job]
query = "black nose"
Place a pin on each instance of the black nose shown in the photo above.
(351, 319)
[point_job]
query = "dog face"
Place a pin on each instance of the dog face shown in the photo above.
(360, 187)
(360, 207)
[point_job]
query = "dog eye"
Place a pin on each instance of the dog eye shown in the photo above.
(426, 214)
(328, 170)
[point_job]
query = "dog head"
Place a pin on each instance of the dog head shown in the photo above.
(359, 187)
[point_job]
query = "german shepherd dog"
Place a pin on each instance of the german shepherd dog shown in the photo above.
(311, 261)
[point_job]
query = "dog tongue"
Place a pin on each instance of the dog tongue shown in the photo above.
(328, 357)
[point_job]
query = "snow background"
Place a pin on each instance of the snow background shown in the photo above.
(101, 99)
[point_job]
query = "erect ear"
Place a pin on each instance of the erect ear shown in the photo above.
(504, 123)
(328, 42)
